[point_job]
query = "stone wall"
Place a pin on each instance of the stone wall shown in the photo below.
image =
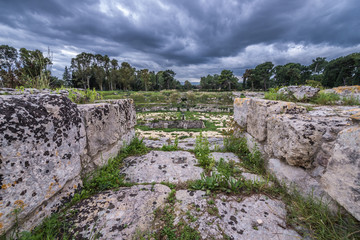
(46, 144)
(181, 124)
(317, 151)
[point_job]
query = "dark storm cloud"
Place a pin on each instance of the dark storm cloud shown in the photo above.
(193, 37)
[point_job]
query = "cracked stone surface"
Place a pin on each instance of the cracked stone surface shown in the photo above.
(160, 166)
(117, 214)
(256, 217)
(226, 156)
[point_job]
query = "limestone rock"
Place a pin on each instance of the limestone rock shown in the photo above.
(41, 141)
(108, 127)
(300, 92)
(298, 178)
(241, 111)
(255, 217)
(159, 166)
(342, 177)
(257, 111)
(118, 214)
(297, 138)
(348, 91)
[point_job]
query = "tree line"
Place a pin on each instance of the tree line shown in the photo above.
(30, 68)
(98, 71)
(342, 71)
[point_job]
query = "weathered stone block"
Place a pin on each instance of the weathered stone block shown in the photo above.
(300, 92)
(295, 177)
(342, 177)
(298, 138)
(241, 111)
(252, 114)
(42, 138)
(108, 126)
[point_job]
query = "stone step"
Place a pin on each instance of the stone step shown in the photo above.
(117, 214)
(173, 167)
(160, 166)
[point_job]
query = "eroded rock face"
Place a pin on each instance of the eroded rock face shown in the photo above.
(300, 92)
(316, 151)
(41, 141)
(286, 131)
(108, 127)
(159, 166)
(118, 214)
(251, 114)
(342, 177)
(298, 178)
(46, 142)
(297, 139)
(255, 217)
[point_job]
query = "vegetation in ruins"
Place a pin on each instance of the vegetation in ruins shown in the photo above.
(321, 98)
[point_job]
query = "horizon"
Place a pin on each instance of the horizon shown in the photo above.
(193, 38)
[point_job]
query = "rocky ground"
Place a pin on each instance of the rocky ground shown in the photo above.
(162, 201)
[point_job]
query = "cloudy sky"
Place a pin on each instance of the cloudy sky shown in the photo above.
(192, 37)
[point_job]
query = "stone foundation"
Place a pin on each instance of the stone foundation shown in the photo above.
(317, 151)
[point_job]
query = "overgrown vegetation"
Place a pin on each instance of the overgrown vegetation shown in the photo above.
(171, 147)
(169, 230)
(83, 96)
(308, 215)
(202, 153)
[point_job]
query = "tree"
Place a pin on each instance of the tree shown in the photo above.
(318, 65)
(145, 79)
(168, 79)
(67, 77)
(81, 69)
(9, 65)
(127, 75)
(247, 78)
(187, 85)
(209, 82)
(263, 73)
(342, 71)
(113, 74)
(35, 68)
(227, 80)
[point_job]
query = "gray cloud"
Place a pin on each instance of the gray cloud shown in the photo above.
(192, 37)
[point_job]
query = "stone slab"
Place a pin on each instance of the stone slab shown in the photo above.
(160, 166)
(117, 214)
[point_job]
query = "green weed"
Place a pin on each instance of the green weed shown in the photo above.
(171, 147)
(326, 98)
(202, 153)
